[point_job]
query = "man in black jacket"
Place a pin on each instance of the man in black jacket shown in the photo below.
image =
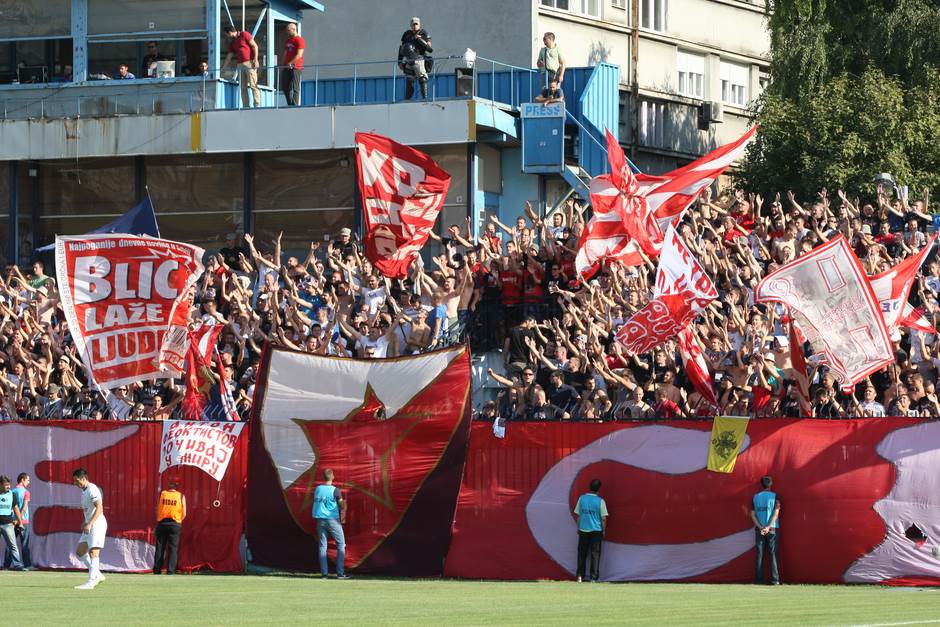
(414, 58)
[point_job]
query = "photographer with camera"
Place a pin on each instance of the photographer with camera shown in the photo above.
(414, 58)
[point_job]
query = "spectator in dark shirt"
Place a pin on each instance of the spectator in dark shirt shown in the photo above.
(148, 68)
(824, 406)
(414, 58)
(561, 396)
(551, 94)
(516, 351)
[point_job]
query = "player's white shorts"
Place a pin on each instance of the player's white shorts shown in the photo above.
(94, 538)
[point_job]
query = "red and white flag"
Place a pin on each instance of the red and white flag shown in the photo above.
(696, 368)
(914, 318)
(682, 291)
(127, 301)
(833, 304)
(622, 224)
(402, 192)
(200, 375)
(892, 288)
(798, 363)
(631, 212)
(669, 195)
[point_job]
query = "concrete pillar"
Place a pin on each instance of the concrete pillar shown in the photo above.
(712, 88)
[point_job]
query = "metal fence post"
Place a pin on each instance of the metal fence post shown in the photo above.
(492, 81)
(316, 86)
(355, 78)
(394, 82)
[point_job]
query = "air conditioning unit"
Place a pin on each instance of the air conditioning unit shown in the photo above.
(713, 111)
(710, 113)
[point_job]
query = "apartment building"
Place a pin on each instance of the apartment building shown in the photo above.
(689, 69)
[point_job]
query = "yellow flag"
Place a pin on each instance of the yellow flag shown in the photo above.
(725, 444)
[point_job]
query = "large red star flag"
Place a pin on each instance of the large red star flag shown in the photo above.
(835, 308)
(394, 431)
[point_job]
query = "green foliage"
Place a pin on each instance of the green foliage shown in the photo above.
(851, 96)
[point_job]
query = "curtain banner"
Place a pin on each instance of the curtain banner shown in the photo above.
(851, 491)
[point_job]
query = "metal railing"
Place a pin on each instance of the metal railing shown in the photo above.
(323, 84)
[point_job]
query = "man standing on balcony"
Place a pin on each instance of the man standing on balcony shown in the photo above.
(551, 60)
(293, 65)
(414, 58)
(244, 50)
(149, 65)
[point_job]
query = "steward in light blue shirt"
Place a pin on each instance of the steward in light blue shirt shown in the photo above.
(592, 512)
(326, 500)
(765, 514)
(592, 522)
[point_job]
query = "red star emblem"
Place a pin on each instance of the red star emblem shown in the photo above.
(379, 461)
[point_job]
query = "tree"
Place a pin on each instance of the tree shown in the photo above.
(851, 96)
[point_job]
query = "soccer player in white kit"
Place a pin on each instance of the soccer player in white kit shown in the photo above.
(94, 529)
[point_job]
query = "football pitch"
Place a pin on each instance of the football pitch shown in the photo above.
(46, 598)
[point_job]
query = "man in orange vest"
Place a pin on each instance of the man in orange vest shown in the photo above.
(171, 510)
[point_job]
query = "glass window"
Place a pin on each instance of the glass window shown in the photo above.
(76, 197)
(591, 7)
(691, 74)
(36, 61)
(109, 17)
(652, 124)
(197, 198)
(35, 18)
(734, 83)
(104, 59)
(556, 4)
(653, 15)
(307, 195)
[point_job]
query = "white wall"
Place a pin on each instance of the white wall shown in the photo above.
(585, 44)
(731, 26)
(367, 30)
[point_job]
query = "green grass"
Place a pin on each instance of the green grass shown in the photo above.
(44, 598)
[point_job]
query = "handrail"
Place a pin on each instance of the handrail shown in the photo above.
(586, 130)
(20, 98)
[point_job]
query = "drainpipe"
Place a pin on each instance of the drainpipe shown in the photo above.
(635, 77)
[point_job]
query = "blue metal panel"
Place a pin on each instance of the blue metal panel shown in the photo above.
(599, 110)
(543, 138)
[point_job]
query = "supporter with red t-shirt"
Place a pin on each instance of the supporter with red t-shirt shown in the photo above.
(243, 49)
(510, 281)
(294, 65)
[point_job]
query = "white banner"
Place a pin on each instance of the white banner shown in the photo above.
(205, 445)
(835, 308)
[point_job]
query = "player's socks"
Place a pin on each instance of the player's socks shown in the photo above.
(94, 572)
(86, 560)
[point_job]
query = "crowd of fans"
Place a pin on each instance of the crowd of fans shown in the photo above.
(514, 292)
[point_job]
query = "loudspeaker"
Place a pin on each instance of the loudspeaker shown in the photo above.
(464, 77)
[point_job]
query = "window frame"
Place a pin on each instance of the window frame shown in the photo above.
(553, 4)
(650, 10)
(652, 134)
(683, 68)
(734, 93)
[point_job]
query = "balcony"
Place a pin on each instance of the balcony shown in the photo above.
(495, 90)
